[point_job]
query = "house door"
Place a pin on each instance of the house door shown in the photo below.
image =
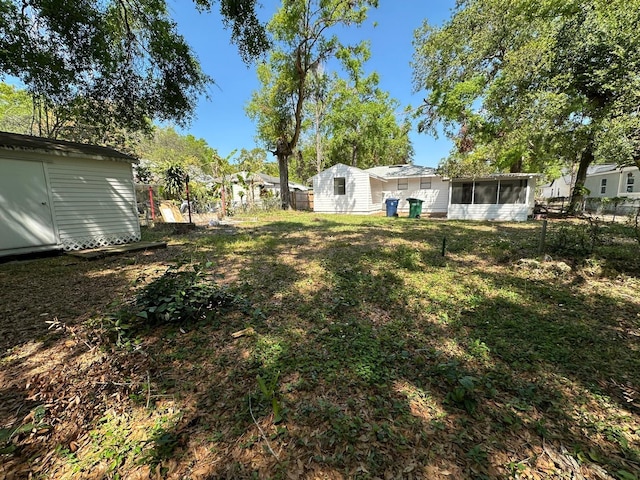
(25, 214)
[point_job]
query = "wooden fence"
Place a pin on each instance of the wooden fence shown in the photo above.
(302, 200)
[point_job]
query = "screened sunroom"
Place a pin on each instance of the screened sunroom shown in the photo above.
(501, 197)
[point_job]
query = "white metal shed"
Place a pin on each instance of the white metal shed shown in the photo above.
(63, 195)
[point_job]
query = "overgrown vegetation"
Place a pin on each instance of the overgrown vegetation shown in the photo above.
(338, 347)
(180, 296)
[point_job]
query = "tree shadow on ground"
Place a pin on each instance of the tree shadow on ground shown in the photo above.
(389, 360)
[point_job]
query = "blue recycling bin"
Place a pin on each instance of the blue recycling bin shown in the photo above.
(392, 207)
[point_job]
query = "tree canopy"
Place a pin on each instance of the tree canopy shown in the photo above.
(361, 118)
(99, 66)
(303, 39)
(531, 86)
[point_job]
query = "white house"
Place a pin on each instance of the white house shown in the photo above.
(248, 187)
(609, 181)
(603, 181)
(413, 181)
(345, 189)
(63, 195)
(503, 197)
(557, 188)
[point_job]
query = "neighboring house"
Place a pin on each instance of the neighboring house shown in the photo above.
(610, 181)
(63, 195)
(246, 187)
(557, 188)
(345, 189)
(503, 197)
(603, 181)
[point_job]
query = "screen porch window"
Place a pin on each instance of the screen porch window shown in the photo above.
(603, 186)
(513, 191)
(486, 192)
(339, 186)
(462, 193)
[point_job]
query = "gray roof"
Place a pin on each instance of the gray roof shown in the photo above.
(15, 141)
(495, 176)
(401, 171)
(607, 167)
(264, 179)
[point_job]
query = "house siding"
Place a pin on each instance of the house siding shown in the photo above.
(94, 202)
(593, 184)
(358, 191)
(505, 213)
(436, 198)
(616, 183)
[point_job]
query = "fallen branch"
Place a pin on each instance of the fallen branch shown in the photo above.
(262, 432)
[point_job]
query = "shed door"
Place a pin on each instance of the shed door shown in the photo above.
(25, 213)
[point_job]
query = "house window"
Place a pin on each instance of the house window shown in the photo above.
(513, 191)
(461, 193)
(403, 184)
(630, 181)
(425, 184)
(486, 192)
(339, 186)
(603, 186)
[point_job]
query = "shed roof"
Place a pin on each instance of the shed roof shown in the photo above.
(15, 141)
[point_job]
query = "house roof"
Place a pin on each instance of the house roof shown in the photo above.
(496, 176)
(15, 141)
(263, 179)
(401, 171)
(605, 168)
(367, 172)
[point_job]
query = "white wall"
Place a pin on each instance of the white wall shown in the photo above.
(246, 198)
(560, 187)
(26, 218)
(358, 191)
(505, 213)
(436, 198)
(616, 184)
(94, 202)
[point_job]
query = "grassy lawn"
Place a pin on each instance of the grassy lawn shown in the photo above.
(366, 354)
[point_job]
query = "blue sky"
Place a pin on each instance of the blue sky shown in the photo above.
(221, 119)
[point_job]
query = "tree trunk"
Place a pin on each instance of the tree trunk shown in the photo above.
(283, 151)
(283, 167)
(318, 143)
(579, 191)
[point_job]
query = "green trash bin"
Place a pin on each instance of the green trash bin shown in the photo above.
(415, 207)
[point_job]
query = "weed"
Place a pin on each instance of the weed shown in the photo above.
(177, 297)
(479, 349)
(269, 392)
(464, 394)
(9, 436)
